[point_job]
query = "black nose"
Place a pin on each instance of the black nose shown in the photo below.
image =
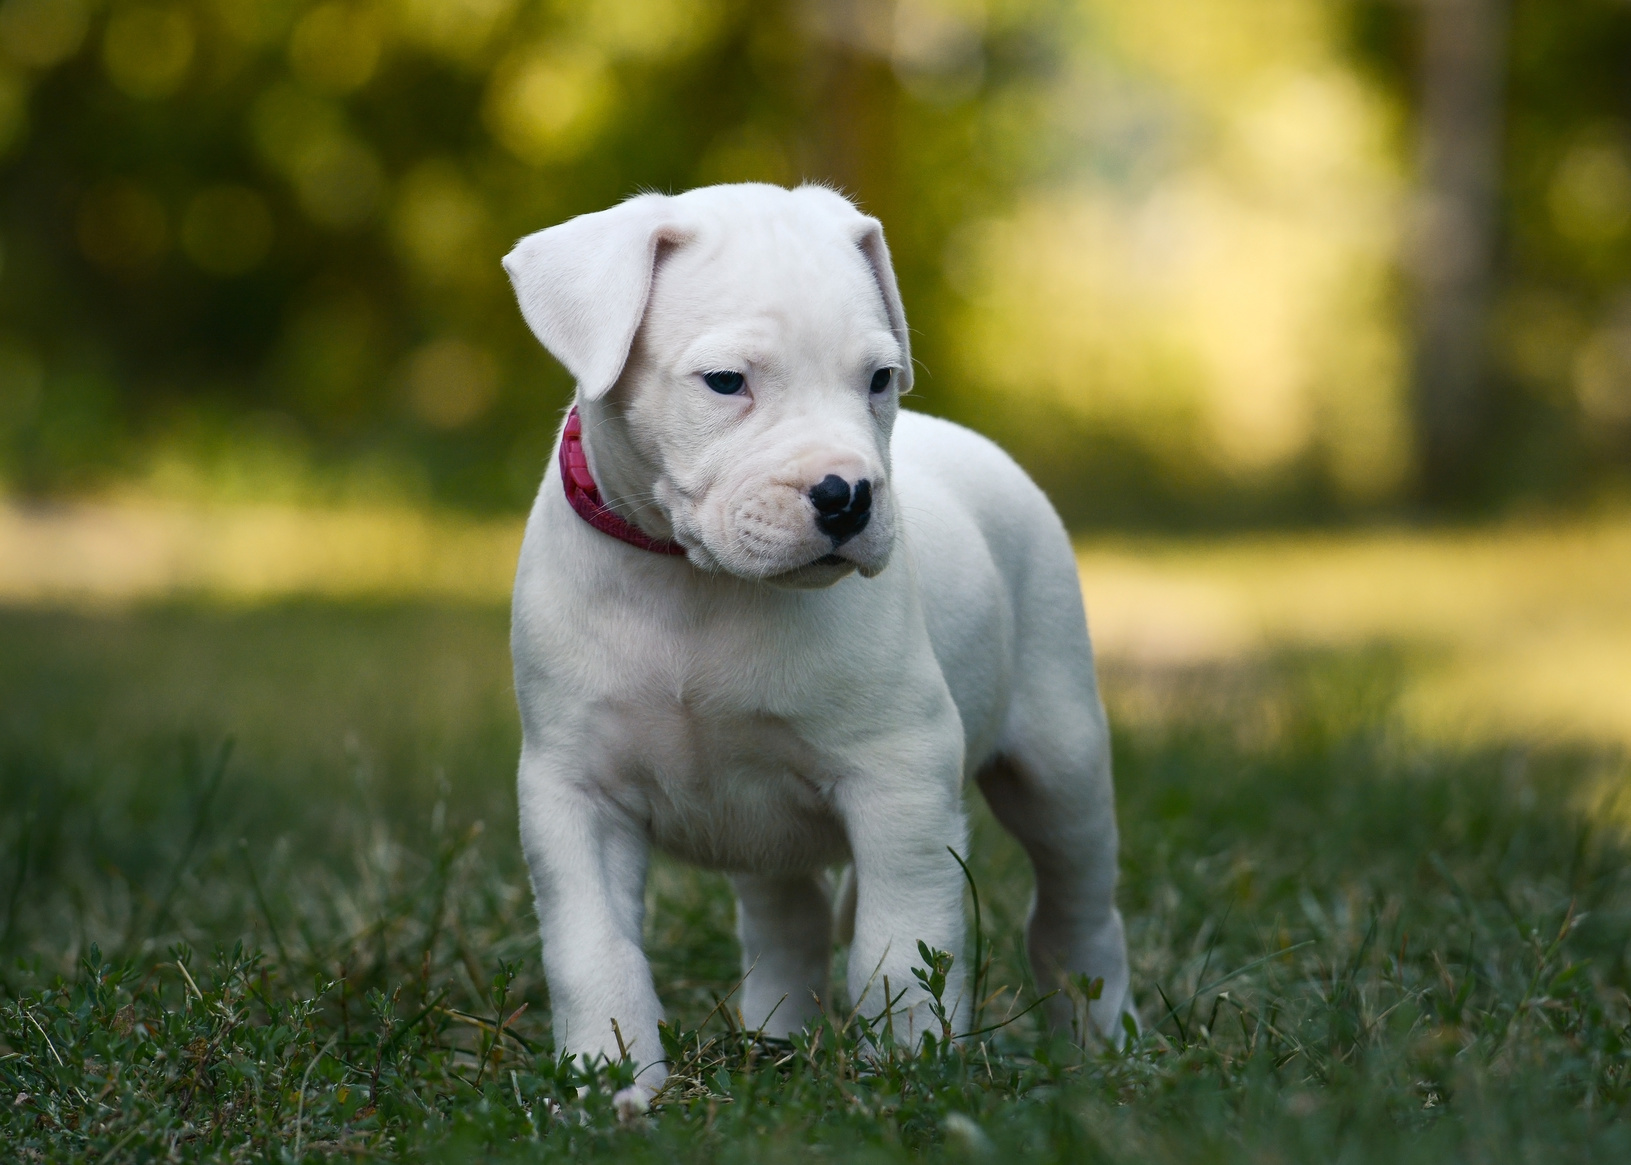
(830, 494)
(841, 514)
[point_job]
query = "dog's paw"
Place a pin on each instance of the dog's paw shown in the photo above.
(631, 1104)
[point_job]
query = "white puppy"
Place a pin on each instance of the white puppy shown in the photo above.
(771, 624)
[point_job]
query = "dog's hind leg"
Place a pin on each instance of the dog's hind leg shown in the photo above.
(785, 924)
(1050, 786)
(1063, 817)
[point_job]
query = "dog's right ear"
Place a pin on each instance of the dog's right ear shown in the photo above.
(583, 285)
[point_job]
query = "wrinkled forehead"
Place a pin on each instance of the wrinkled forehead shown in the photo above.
(798, 275)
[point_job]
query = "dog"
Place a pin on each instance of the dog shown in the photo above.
(770, 623)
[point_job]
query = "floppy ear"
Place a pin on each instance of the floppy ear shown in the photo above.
(869, 238)
(583, 285)
(868, 235)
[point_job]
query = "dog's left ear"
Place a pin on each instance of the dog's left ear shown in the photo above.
(583, 285)
(869, 237)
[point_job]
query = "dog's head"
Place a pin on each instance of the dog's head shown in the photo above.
(739, 353)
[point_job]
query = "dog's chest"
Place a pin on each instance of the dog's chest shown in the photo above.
(723, 723)
(724, 784)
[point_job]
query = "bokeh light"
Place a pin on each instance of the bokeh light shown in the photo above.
(148, 48)
(42, 33)
(1162, 251)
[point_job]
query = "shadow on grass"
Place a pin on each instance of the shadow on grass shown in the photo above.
(1347, 943)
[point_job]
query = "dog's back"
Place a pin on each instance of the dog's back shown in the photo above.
(998, 576)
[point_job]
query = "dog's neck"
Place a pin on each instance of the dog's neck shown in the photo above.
(624, 474)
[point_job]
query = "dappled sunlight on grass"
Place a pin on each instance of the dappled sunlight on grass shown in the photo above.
(1518, 632)
(138, 550)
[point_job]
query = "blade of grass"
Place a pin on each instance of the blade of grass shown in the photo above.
(260, 901)
(979, 933)
(24, 842)
(1235, 974)
(201, 815)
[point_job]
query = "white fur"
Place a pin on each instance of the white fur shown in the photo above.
(772, 705)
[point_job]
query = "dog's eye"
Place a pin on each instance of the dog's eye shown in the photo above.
(881, 378)
(725, 383)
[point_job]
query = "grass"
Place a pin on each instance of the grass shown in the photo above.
(262, 899)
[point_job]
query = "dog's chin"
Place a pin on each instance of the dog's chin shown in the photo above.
(829, 568)
(813, 576)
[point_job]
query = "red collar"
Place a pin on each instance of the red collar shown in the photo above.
(583, 495)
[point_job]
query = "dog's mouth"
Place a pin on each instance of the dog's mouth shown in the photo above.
(829, 560)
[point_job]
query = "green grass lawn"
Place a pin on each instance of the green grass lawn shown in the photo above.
(262, 899)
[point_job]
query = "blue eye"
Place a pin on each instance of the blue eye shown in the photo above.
(881, 379)
(725, 383)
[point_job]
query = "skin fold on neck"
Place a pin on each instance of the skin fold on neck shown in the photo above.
(624, 474)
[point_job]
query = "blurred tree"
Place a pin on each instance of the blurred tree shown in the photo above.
(1522, 259)
(253, 245)
(1463, 66)
(250, 247)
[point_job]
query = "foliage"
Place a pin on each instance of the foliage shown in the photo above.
(249, 248)
(1348, 944)
(274, 246)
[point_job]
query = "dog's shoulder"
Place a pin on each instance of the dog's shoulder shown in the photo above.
(958, 487)
(967, 466)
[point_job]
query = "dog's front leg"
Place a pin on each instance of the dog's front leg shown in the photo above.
(785, 924)
(903, 818)
(588, 864)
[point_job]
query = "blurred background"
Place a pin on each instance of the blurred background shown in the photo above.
(1312, 316)
(1198, 263)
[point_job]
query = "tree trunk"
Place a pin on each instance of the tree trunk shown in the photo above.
(1463, 67)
